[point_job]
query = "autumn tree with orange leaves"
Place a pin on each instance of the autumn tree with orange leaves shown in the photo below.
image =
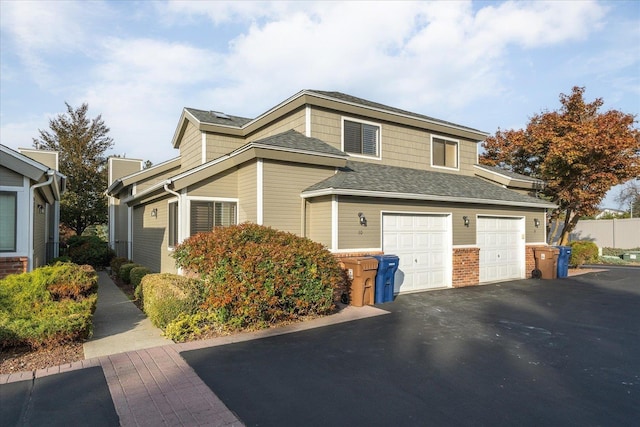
(579, 151)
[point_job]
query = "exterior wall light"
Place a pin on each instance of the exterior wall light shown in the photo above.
(154, 212)
(536, 222)
(466, 220)
(363, 219)
(40, 209)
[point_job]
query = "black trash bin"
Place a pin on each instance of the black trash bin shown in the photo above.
(385, 278)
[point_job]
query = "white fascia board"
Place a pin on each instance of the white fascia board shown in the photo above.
(259, 192)
(510, 178)
(427, 197)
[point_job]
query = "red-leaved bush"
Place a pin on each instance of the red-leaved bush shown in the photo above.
(255, 275)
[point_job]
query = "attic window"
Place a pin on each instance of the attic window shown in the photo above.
(220, 115)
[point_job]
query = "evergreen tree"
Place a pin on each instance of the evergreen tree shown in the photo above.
(81, 143)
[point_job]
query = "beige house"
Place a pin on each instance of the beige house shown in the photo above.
(30, 190)
(354, 175)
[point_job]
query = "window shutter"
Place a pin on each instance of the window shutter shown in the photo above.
(352, 137)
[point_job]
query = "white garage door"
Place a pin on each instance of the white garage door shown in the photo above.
(423, 244)
(502, 248)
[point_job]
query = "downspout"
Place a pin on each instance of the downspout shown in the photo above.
(32, 189)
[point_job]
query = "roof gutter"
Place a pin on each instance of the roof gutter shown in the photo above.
(425, 197)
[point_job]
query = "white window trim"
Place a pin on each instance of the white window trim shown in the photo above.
(457, 141)
(177, 231)
(362, 156)
(22, 221)
(187, 217)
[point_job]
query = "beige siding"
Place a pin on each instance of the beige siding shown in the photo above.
(219, 145)
(224, 184)
(295, 120)
(402, 146)
(351, 235)
(10, 178)
(120, 167)
(247, 187)
(318, 220)
(121, 223)
(45, 157)
(39, 233)
(150, 238)
(282, 185)
(143, 184)
(191, 147)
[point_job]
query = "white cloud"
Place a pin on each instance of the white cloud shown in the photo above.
(41, 31)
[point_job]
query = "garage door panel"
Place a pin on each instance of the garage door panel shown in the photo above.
(502, 247)
(423, 244)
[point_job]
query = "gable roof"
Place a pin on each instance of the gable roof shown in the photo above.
(212, 121)
(511, 176)
(373, 180)
(35, 171)
(370, 104)
(218, 118)
(291, 146)
(294, 140)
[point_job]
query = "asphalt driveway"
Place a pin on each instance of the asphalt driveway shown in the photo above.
(531, 352)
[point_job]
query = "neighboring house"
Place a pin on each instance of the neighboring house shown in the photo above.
(357, 176)
(607, 212)
(30, 190)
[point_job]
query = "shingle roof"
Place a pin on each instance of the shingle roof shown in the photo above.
(374, 178)
(218, 118)
(355, 100)
(292, 139)
(512, 175)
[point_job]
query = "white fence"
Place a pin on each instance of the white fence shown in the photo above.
(609, 233)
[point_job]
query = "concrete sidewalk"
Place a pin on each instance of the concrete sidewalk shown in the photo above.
(118, 325)
(150, 384)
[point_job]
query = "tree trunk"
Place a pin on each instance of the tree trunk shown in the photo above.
(570, 222)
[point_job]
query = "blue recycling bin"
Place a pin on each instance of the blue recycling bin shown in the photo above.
(563, 261)
(385, 278)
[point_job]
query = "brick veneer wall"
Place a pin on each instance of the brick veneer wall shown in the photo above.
(12, 265)
(530, 260)
(466, 267)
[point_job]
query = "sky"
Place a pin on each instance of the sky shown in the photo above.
(482, 64)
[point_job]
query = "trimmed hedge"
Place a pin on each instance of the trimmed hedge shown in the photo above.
(256, 276)
(583, 252)
(89, 250)
(165, 296)
(48, 306)
(136, 274)
(116, 263)
(125, 271)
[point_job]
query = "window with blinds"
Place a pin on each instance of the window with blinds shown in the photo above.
(8, 221)
(207, 215)
(173, 224)
(444, 153)
(361, 138)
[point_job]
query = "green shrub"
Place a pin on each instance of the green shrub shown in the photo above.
(116, 263)
(187, 327)
(258, 276)
(165, 296)
(48, 306)
(63, 258)
(89, 250)
(136, 274)
(125, 271)
(583, 252)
